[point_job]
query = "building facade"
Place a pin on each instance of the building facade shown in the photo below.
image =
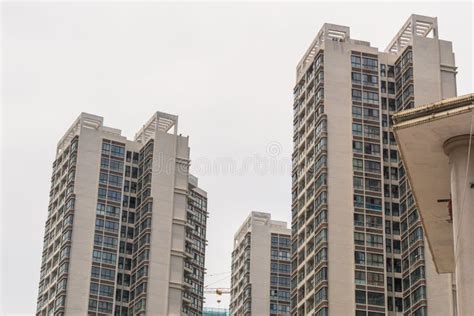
(261, 269)
(126, 226)
(357, 241)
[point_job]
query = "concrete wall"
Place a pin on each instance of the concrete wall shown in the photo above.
(338, 106)
(86, 190)
(168, 220)
(260, 267)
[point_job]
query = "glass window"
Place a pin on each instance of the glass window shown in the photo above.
(375, 260)
(356, 111)
(355, 61)
(358, 183)
(356, 129)
(375, 279)
(359, 257)
(118, 151)
(359, 238)
(360, 297)
(375, 298)
(359, 220)
(357, 164)
(360, 277)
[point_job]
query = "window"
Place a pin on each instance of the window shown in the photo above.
(116, 165)
(96, 256)
(357, 147)
(372, 166)
(359, 220)
(373, 185)
(322, 312)
(360, 297)
(320, 295)
(356, 95)
(375, 298)
(356, 129)
(274, 241)
(357, 164)
(371, 114)
(114, 195)
(356, 111)
(371, 131)
(413, 217)
(320, 237)
(110, 242)
(375, 241)
(371, 149)
(370, 97)
(358, 201)
(117, 151)
(112, 210)
(355, 61)
(280, 267)
(100, 209)
(358, 183)
(105, 307)
(416, 235)
(422, 311)
(417, 254)
(104, 163)
(320, 256)
(103, 178)
(359, 257)
(373, 203)
(360, 277)
(373, 221)
(115, 180)
(105, 148)
(359, 238)
(375, 260)
(106, 290)
(369, 63)
(108, 258)
(356, 76)
(375, 279)
(370, 80)
(94, 288)
(321, 275)
(102, 193)
(418, 294)
(417, 275)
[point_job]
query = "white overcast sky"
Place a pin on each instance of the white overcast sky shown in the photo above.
(227, 70)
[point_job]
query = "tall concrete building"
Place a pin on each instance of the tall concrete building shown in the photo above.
(358, 246)
(126, 226)
(261, 267)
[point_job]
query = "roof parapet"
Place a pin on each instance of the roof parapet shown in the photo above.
(416, 25)
(84, 120)
(328, 31)
(160, 121)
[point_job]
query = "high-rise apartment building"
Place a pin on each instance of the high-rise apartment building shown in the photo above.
(261, 267)
(126, 226)
(357, 241)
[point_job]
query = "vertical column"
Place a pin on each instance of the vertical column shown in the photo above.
(462, 176)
